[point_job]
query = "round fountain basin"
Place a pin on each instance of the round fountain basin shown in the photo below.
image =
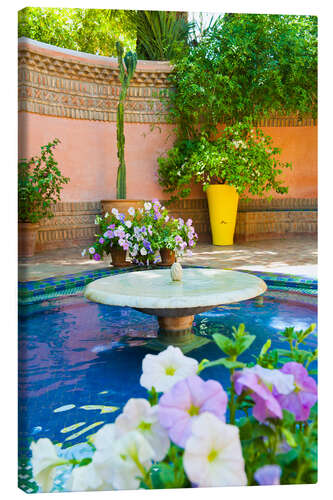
(175, 302)
(154, 291)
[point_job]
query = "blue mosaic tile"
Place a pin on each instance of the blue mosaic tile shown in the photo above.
(34, 291)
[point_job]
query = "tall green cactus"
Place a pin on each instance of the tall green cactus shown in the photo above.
(127, 67)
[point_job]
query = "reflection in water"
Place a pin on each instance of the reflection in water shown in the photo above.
(80, 361)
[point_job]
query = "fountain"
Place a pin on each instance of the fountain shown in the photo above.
(175, 295)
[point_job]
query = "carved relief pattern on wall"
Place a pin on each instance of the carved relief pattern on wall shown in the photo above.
(67, 87)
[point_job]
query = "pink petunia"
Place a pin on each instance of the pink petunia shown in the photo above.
(300, 401)
(188, 398)
(266, 405)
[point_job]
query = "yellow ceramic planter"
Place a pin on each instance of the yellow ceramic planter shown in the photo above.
(222, 205)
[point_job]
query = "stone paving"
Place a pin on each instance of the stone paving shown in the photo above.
(295, 255)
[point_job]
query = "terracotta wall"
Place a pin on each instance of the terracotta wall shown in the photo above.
(88, 155)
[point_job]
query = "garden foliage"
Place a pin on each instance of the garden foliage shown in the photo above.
(95, 31)
(39, 185)
(243, 68)
(242, 156)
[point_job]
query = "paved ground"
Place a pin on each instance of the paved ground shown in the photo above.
(296, 255)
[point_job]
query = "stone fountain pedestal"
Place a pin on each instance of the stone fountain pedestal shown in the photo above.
(175, 303)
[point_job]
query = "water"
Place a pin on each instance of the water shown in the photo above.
(79, 361)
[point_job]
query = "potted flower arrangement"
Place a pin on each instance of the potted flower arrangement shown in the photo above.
(169, 235)
(120, 234)
(261, 429)
(241, 161)
(142, 232)
(114, 238)
(39, 184)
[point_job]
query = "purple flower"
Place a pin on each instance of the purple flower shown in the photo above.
(111, 226)
(189, 222)
(268, 475)
(96, 256)
(300, 401)
(178, 239)
(143, 229)
(109, 234)
(119, 233)
(91, 250)
(157, 215)
(188, 398)
(146, 244)
(266, 405)
(101, 240)
(191, 243)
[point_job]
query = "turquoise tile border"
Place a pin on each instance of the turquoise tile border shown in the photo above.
(30, 292)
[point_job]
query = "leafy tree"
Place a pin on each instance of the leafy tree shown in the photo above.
(160, 34)
(245, 65)
(95, 31)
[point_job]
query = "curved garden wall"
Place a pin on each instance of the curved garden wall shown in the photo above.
(73, 96)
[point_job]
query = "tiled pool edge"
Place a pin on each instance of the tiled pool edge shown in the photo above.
(30, 292)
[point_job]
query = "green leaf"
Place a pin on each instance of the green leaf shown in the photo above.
(289, 437)
(265, 348)
(231, 364)
(225, 344)
(244, 342)
(284, 459)
(164, 476)
(85, 461)
(288, 418)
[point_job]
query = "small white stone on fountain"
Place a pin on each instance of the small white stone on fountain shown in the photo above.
(176, 272)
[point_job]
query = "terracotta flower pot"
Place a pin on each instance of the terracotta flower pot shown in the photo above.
(27, 237)
(121, 205)
(118, 256)
(168, 257)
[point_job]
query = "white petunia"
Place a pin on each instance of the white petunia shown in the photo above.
(115, 211)
(128, 458)
(104, 441)
(139, 415)
(128, 223)
(84, 251)
(105, 437)
(213, 453)
(147, 206)
(106, 215)
(283, 382)
(143, 251)
(131, 211)
(163, 370)
(44, 460)
(86, 479)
